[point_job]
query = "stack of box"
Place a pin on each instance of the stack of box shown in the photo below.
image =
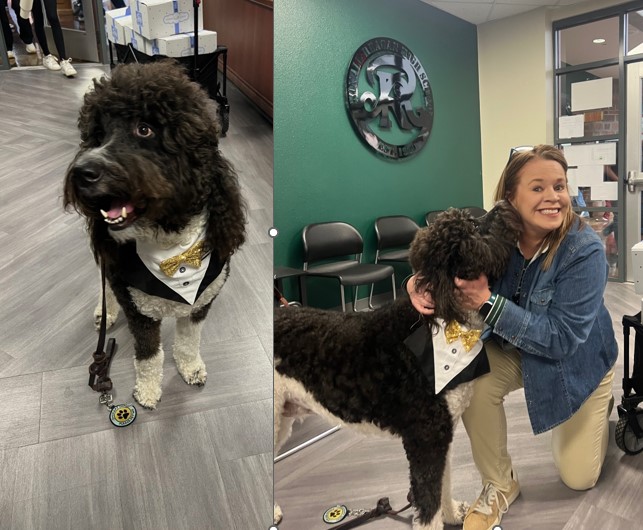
(159, 27)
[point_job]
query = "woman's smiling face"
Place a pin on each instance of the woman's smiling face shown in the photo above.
(541, 197)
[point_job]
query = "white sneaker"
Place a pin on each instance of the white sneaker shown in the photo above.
(31, 48)
(50, 62)
(67, 68)
(12, 57)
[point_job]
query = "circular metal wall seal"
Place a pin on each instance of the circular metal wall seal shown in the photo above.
(389, 98)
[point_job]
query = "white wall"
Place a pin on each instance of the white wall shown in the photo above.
(515, 62)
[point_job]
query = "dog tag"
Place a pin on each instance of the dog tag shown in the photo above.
(335, 514)
(122, 415)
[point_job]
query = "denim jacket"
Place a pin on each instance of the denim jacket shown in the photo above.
(560, 325)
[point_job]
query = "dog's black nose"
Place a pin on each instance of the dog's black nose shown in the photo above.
(85, 173)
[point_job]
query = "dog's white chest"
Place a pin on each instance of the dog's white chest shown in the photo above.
(451, 356)
(187, 278)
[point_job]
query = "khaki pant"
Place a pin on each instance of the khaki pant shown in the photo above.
(578, 445)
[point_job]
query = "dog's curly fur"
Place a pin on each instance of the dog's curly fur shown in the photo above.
(354, 369)
(461, 246)
(150, 145)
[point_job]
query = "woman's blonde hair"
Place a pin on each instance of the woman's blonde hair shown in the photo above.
(510, 179)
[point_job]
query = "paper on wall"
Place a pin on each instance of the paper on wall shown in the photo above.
(593, 94)
(604, 153)
(572, 184)
(589, 175)
(571, 126)
(605, 191)
(590, 154)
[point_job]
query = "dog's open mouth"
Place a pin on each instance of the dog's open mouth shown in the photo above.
(121, 213)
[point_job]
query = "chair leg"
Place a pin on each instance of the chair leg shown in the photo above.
(355, 298)
(341, 290)
(370, 296)
(394, 293)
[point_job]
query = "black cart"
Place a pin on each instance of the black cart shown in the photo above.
(204, 69)
(629, 429)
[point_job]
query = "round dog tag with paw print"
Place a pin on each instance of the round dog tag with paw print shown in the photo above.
(335, 514)
(122, 415)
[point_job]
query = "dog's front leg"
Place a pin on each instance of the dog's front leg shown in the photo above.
(148, 361)
(453, 511)
(112, 307)
(426, 450)
(187, 345)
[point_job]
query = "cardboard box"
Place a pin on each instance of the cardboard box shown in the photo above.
(161, 18)
(141, 44)
(117, 24)
(182, 45)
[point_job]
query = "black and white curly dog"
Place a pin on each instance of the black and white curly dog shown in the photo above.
(163, 208)
(362, 370)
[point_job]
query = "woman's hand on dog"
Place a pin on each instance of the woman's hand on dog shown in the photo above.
(421, 300)
(474, 292)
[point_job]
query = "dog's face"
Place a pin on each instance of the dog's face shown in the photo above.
(149, 146)
(456, 245)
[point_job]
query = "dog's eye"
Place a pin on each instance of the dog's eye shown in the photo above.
(143, 130)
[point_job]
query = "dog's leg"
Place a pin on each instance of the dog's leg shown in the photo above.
(453, 512)
(112, 307)
(426, 448)
(187, 341)
(149, 358)
(282, 427)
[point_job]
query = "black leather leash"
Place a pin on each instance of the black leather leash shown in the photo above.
(99, 380)
(383, 508)
(99, 370)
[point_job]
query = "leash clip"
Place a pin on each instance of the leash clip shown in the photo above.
(106, 399)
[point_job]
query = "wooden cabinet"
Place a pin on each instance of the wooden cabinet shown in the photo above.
(246, 28)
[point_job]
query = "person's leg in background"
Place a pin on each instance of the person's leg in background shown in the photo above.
(7, 33)
(579, 445)
(24, 26)
(48, 60)
(56, 30)
(486, 426)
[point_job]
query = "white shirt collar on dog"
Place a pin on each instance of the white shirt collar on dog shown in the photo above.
(450, 359)
(187, 279)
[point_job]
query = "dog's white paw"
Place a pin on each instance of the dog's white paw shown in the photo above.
(278, 514)
(111, 317)
(147, 396)
(194, 372)
(455, 516)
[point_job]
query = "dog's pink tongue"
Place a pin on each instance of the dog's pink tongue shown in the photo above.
(117, 209)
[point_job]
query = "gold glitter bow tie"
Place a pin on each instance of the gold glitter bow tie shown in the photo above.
(453, 331)
(191, 256)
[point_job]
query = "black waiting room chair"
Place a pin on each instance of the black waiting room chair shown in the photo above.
(475, 211)
(430, 216)
(334, 250)
(394, 235)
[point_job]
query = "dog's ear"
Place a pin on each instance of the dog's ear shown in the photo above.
(501, 228)
(227, 211)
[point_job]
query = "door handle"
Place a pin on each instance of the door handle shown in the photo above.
(633, 181)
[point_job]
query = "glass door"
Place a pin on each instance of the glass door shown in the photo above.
(634, 160)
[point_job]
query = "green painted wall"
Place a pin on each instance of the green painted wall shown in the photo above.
(322, 170)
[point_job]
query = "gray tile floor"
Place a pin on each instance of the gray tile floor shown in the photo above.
(203, 459)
